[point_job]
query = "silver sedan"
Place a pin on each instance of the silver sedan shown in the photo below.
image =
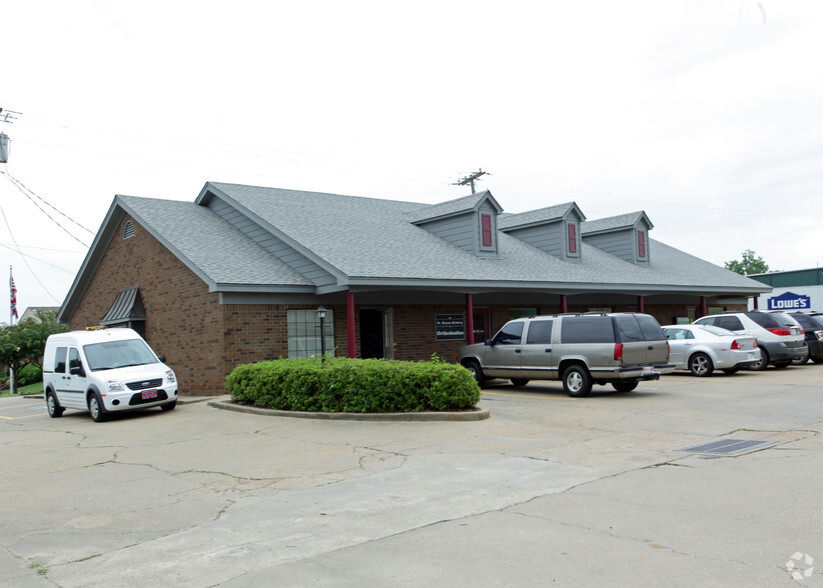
(703, 348)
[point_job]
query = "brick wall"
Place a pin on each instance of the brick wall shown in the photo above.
(183, 320)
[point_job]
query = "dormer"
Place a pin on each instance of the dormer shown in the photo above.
(469, 223)
(554, 229)
(625, 236)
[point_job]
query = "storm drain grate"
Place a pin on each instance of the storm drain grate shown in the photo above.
(726, 446)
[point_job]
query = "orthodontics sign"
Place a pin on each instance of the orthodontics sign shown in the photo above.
(789, 301)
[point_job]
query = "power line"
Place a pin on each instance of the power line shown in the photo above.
(20, 187)
(26, 261)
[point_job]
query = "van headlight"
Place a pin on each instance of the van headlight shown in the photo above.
(170, 377)
(115, 386)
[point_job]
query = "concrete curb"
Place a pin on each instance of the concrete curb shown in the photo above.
(477, 414)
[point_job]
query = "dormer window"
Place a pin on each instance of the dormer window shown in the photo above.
(486, 222)
(572, 238)
(641, 244)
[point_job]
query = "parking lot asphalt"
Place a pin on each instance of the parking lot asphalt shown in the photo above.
(549, 490)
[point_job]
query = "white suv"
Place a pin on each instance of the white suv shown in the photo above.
(779, 337)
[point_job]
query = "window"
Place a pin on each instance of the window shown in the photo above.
(304, 332)
(630, 331)
(510, 334)
(486, 222)
(540, 332)
(572, 238)
(74, 361)
(641, 244)
(60, 360)
(729, 322)
(587, 329)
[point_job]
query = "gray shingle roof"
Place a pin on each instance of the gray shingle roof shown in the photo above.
(532, 217)
(205, 241)
(444, 209)
(621, 221)
(373, 238)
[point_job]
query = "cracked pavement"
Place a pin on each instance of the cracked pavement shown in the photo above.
(548, 490)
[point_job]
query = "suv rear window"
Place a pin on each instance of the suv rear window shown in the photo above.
(587, 329)
(628, 328)
(766, 321)
(650, 327)
(806, 321)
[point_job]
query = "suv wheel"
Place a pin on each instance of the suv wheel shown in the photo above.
(577, 382)
(476, 371)
(764, 361)
(701, 365)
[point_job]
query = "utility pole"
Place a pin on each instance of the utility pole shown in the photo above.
(470, 179)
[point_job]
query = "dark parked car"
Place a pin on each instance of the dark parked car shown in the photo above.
(813, 325)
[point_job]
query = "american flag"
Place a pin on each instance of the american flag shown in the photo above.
(13, 295)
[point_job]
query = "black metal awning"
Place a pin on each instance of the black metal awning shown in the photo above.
(128, 306)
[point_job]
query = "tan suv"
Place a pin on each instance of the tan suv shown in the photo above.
(620, 349)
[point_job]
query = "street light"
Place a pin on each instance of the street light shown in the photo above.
(321, 314)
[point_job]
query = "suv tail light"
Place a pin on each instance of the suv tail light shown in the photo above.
(618, 351)
(781, 331)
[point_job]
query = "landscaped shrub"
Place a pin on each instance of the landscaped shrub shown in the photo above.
(353, 385)
(29, 374)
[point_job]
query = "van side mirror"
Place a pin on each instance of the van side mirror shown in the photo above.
(77, 371)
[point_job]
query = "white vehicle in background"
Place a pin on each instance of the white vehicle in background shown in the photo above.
(103, 371)
(703, 348)
(779, 337)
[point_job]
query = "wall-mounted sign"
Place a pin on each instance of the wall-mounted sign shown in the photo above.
(449, 327)
(789, 301)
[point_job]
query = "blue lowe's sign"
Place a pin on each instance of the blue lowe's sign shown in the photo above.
(789, 301)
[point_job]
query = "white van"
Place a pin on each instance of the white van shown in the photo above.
(105, 370)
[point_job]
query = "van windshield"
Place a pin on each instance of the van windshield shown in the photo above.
(117, 354)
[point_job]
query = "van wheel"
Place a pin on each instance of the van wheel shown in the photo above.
(476, 371)
(54, 408)
(169, 405)
(764, 361)
(700, 365)
(577, 382)
(98, 413)
(624, 386)
(519, 381)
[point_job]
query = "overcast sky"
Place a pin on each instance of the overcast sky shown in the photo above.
(704, 114)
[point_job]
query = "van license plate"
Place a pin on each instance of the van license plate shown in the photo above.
(149, 394)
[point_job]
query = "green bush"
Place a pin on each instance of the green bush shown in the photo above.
(29, 374)
(353, 385)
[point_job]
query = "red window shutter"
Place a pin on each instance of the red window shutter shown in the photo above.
(572, 238)
(487, 229)
(641, 243)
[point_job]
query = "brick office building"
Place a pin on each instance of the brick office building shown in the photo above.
(236, 276)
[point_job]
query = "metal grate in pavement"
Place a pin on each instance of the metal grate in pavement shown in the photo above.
(727, 446)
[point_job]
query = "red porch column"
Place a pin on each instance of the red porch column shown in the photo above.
(640, 306)
(563, 306)
(350, 324)
(704, 309)
(469, 320)
(754, 299)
